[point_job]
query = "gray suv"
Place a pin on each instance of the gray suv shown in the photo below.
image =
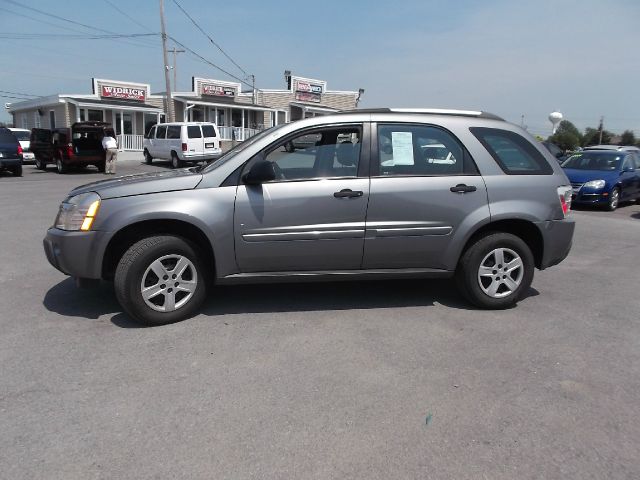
(383, 193)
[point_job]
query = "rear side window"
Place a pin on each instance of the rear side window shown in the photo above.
(173, 131)
(8, 138)
(421, 150)
(193, 131)
(208, 131)
(514, 154)
(161, 131)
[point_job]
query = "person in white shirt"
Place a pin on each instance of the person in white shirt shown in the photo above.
(110, 146)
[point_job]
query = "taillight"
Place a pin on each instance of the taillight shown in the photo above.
(69, 150)
(19, 149)
(564, 194)
(184, 147)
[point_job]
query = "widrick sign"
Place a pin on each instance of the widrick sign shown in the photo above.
(217, 90)
(308, 87)
(124, 93)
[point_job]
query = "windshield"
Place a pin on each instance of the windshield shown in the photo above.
(601, 160)
(21, 135)
(237, 149)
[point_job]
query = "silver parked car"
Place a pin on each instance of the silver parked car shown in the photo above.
(368, 199)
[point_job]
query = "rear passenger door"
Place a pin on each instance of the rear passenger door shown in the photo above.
(425, 188)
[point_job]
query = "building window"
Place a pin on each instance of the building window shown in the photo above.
(95, 115)
(52, 119)
(25, 124)
(36, 119)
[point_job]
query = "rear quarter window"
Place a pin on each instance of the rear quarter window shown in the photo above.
(208, 131)
(512, 152)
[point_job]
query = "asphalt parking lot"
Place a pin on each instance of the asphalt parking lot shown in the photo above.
(380, 380)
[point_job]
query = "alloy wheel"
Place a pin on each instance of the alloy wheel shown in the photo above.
(500, 273)
(169, 283)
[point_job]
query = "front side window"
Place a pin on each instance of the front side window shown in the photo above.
(193, 131)
(151, 133)
(161, 131)
(512, 152)
(322, 153)
(420, 150)
(173, 131)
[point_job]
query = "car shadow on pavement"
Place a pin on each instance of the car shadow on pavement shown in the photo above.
(65, 299)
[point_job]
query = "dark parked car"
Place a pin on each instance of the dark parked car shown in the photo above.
(10, 152)
(604, 177)
(368, 201)
(555, 150)
(78, 146)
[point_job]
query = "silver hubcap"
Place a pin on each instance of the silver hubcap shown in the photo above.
(59, 165)
(169, 283)
(500, 273)
(614, 198)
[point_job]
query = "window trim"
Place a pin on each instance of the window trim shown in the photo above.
(469, 165)
(546, 168)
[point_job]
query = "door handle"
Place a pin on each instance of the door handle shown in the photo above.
(462, 188)
(348, 193)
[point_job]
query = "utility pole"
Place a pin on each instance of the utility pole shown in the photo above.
(253, 87)
(167, 81)
(601, 127)
(175, 75)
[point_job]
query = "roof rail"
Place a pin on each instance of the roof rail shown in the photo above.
(428, 111)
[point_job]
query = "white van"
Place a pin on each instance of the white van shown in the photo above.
(182, 142)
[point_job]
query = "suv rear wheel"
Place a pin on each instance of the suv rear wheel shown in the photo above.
(495, 271)
(40, 165)
(160, 280)
(17, 171)
(60, 166)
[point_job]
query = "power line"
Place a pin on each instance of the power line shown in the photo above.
(74, 36)
(84, 25)
(15, 98)
(128, 16)
(18, 93)
(210, 39)
(208, 61)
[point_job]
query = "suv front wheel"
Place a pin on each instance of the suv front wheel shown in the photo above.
(160, 280)
(495, 271)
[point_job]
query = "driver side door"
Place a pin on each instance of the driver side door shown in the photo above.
(312, 216)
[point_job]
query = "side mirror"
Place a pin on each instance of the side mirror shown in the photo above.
(262, 171)
(628, 170)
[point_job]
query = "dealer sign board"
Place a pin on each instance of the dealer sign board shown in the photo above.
(217, 90)
(308, 87)
(123, 93)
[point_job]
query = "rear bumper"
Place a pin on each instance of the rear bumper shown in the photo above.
(10, 162)
(78, 254)
(557, 236)
(199, 157)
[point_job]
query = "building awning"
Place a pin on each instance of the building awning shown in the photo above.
(313, 108)
(114, 104)
(206, 103)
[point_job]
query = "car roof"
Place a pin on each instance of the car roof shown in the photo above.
(426, 111)
(617, 148)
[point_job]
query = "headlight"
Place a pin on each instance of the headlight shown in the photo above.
(78, 212)
(595, 184)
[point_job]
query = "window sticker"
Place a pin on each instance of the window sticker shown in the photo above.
(402, 143)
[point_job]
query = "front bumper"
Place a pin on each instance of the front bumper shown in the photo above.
(590, 197)
(557, 237)
(78, 254)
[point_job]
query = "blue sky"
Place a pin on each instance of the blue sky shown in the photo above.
(510, 57)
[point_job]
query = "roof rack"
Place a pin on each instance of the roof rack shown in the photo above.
(429, 111)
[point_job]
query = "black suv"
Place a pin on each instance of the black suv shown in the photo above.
(10, 152)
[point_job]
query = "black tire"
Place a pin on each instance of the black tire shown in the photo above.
(102, 167)
(614, 199)
(175, 161)
(60, 166)
(135, 267)
(40, 164)
(17, 171)
(468, 272)
(148, 159)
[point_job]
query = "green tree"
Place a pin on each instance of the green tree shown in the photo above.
(592, 137)
(567, 136)
(628, 138)
(565, 126)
